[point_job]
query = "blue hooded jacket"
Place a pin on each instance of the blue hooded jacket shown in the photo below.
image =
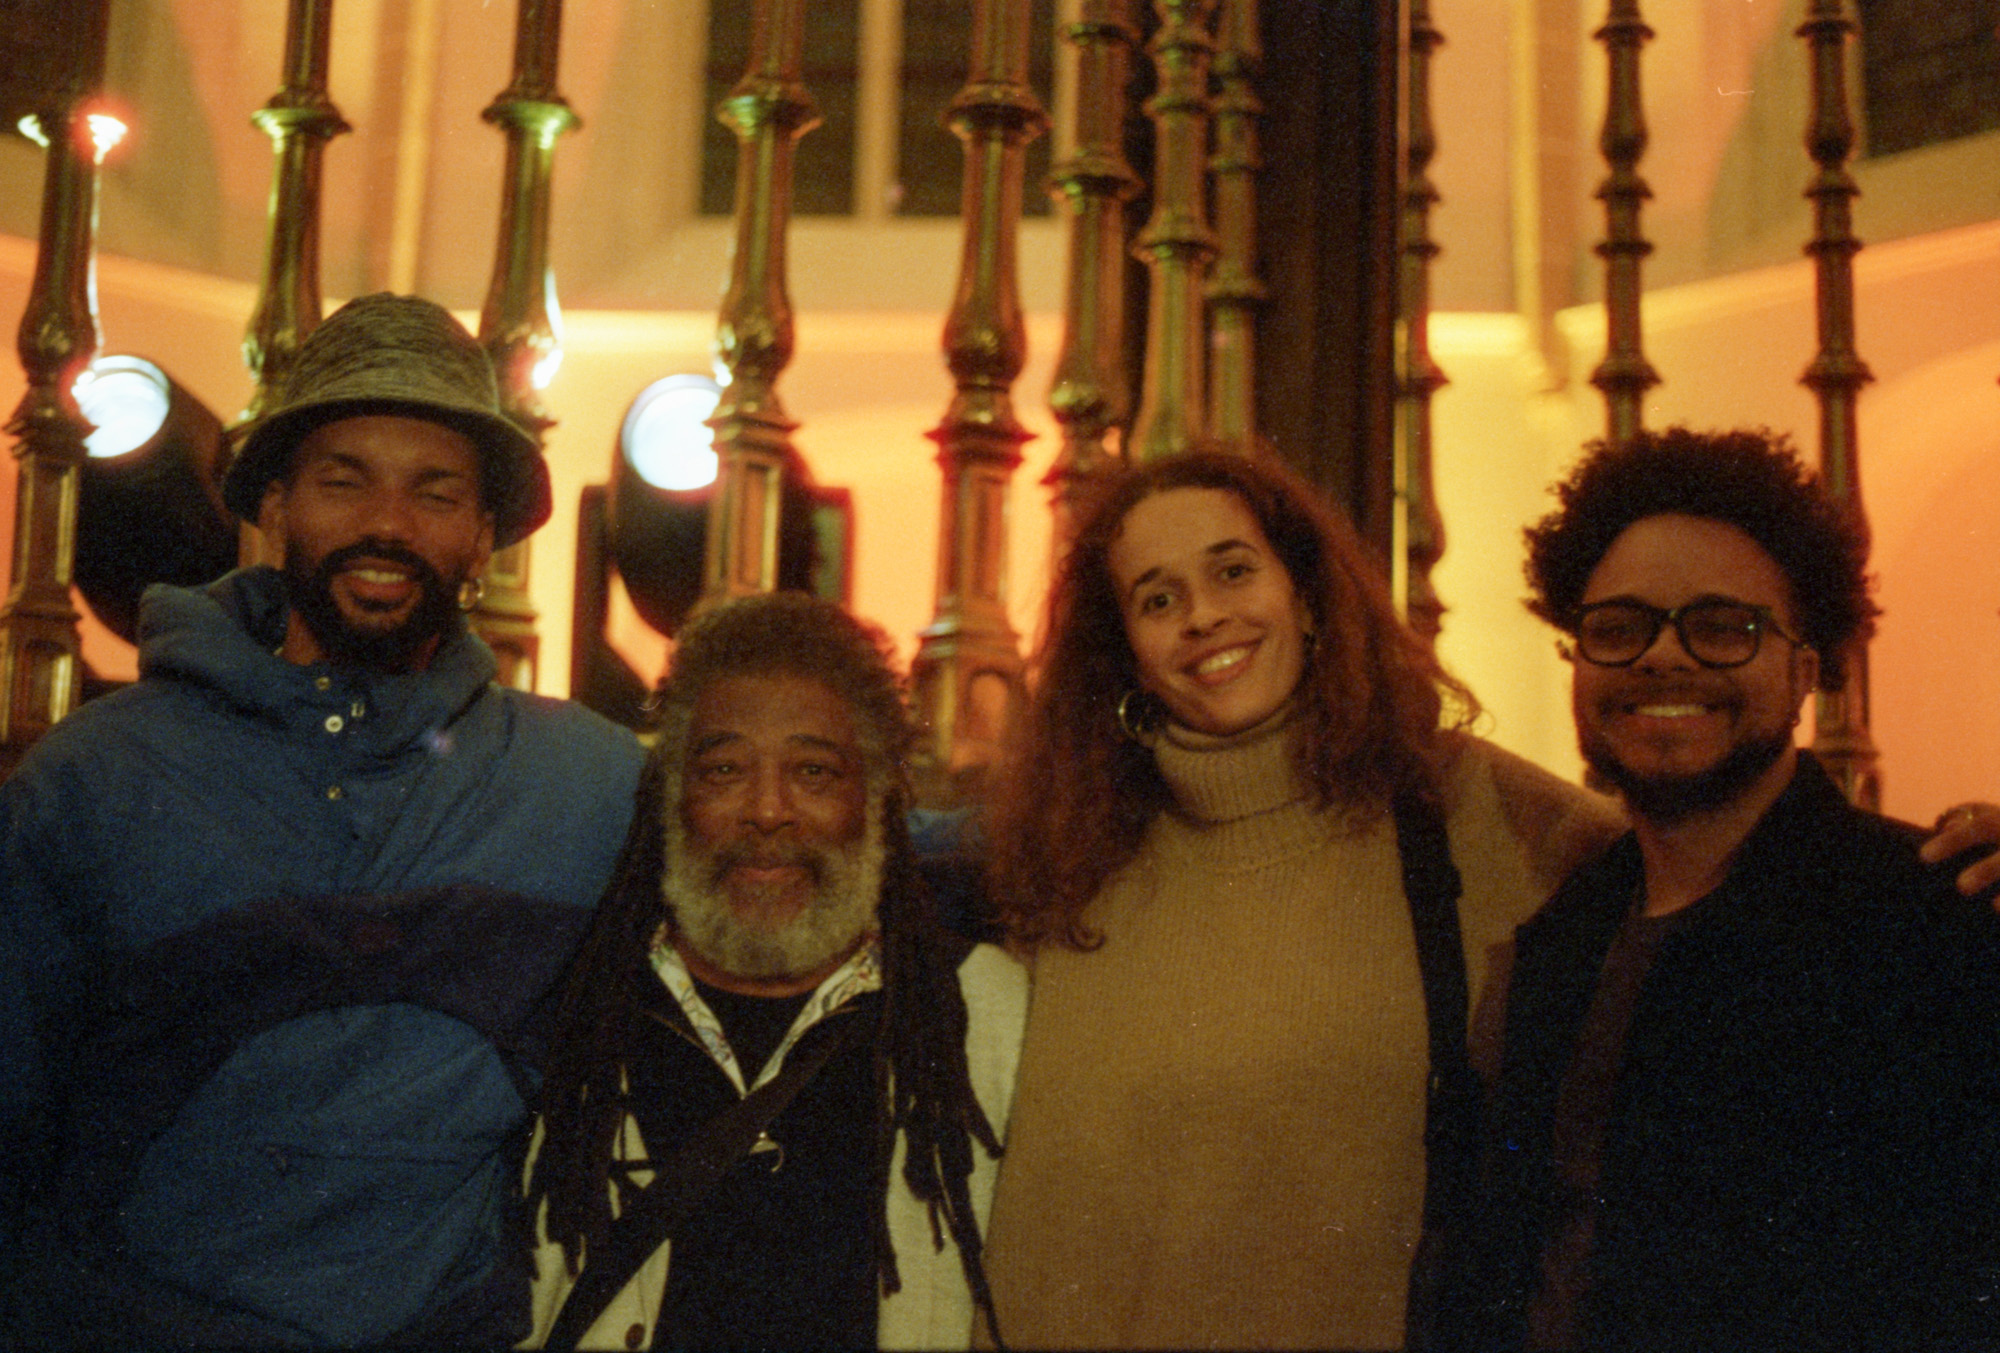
(270, 940)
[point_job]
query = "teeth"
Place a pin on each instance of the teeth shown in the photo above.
(377, 575)
(1670, 711)
(1227, 658)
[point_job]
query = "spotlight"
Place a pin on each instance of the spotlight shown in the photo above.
(149, 505)
(650, 522)
(666, 435)
(126, 400)
(657, 503)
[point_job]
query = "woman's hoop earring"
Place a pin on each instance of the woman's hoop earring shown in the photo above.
(1138, 714)
(470, 593)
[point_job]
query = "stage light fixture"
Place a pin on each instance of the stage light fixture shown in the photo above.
(149, 501)
(650, 522)
(666, 434)
(126, 400)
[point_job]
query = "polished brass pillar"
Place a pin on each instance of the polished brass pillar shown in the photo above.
(1177, 243)
(1417, 529)
(966, 678)
(1837, 373)
(1624, 375)
(1234, 289)
(769, 109)
(300, 119)
(1091, 394)
(517, 327)
(39, 649)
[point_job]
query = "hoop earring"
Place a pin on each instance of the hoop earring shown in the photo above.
(1138, 715)
(470, 593)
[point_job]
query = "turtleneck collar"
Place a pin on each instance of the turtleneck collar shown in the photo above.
(1222, 779)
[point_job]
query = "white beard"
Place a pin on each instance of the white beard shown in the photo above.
(847, 887)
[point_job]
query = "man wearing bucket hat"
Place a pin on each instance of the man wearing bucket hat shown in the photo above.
(274, 920)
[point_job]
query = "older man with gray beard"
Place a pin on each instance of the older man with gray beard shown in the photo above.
(775, 1068)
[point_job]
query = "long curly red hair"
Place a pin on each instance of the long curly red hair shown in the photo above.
(1075, 794)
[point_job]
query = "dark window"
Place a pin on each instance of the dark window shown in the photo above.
(1930, 71)
(823, 181)
(937, 54)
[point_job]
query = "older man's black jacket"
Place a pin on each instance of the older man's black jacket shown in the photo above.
(1803, 1149)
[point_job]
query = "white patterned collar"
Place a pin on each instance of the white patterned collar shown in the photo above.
(862, 972)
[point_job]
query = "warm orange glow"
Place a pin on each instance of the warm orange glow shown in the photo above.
(106, 131)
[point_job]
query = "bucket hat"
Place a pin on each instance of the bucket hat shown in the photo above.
(389, 354)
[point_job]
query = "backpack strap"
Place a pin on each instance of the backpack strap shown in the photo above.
(681, 1182)
(1432, 886)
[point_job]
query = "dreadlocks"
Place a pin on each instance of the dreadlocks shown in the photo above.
(921, 1082)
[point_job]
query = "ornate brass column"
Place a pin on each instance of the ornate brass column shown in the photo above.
(1841, 737)
(1416, 527)
(769, 109)
(39, 651)
(518, 324)
(1177, 243)
(300, 119)
(1624, 375)
(1092, 390)
(967, 672)
(1234, 289)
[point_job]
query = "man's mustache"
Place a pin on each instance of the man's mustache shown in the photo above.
(384, 551)
(768, 855)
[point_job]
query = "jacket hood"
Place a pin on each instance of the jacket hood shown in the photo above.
(225, 637)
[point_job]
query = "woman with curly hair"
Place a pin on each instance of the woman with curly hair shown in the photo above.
(1218, 1132)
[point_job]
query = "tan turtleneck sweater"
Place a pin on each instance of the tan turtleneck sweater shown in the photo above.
(1217, 1138)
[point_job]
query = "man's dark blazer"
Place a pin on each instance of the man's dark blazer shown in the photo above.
(1803, 1148)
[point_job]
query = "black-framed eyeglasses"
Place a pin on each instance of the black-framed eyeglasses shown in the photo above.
(1715, 632)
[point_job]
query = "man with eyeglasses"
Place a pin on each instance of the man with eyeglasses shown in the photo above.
(1750, 1089)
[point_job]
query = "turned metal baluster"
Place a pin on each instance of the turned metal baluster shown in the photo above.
(1418, 536)
(1091, 392)
(39, 649)
(769, 109)
(1234, 290)
(518, 324)
(1624, 375)
(967, 672)
(1841, 738)
(1177, 243)
(300, 119)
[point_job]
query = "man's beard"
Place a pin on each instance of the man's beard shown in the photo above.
(846, 886)
(1674, 798)
(391, 648)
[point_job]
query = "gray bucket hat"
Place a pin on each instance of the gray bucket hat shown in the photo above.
(399, 355)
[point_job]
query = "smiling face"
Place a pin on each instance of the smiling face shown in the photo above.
(1216, 627)
(381, 521)
(1676, 737)
(774, 864)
